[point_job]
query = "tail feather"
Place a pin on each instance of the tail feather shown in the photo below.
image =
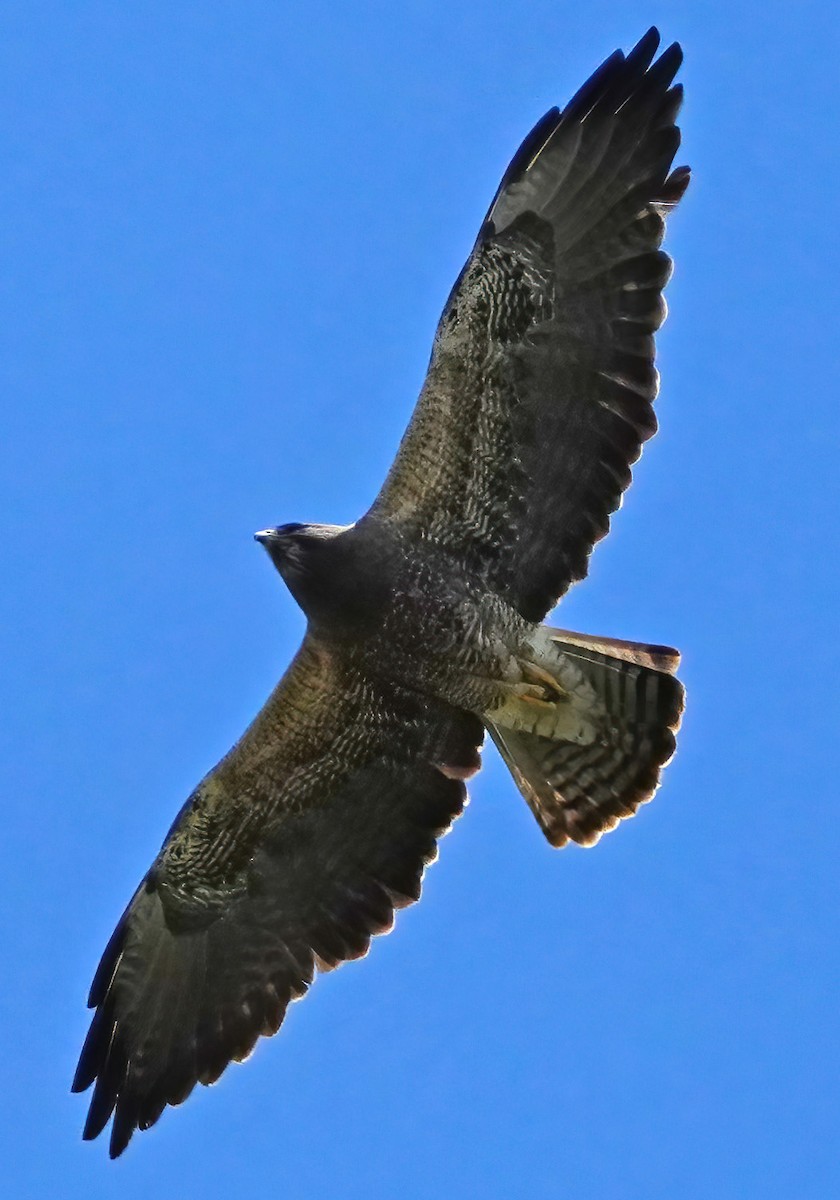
(629, 703)
(644, 654)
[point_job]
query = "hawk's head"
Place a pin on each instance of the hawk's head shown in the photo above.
(292, 547)
(338, 578)
(305, 557)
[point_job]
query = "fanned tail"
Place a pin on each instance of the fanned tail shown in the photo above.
(591, 750)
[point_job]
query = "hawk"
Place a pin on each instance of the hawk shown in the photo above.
(424, 622)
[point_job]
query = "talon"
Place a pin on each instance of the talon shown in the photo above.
(538, 674)
(546, 704)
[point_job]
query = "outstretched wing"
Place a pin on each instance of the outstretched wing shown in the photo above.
(287, 858)
(540, 387)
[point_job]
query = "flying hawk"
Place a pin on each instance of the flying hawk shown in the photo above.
(424, 622)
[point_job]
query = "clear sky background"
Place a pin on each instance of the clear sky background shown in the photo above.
(227, 232)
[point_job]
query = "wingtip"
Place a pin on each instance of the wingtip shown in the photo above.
(121, 1134)
(591, 91)
(671, 59)
(651, 40)
(97, 1118)
(647, 44)
(116, 1148)
(674, 188)
(81, 1082)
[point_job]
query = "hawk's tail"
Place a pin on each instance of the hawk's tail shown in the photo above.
(589, 750)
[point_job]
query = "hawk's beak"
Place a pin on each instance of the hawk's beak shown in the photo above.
(265, 536)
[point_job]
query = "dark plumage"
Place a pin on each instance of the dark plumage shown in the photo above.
(423, 623)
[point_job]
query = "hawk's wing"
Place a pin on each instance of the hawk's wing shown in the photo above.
(289, 856)
(541, 382)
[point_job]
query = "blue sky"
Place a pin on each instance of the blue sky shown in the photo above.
(227, 232)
